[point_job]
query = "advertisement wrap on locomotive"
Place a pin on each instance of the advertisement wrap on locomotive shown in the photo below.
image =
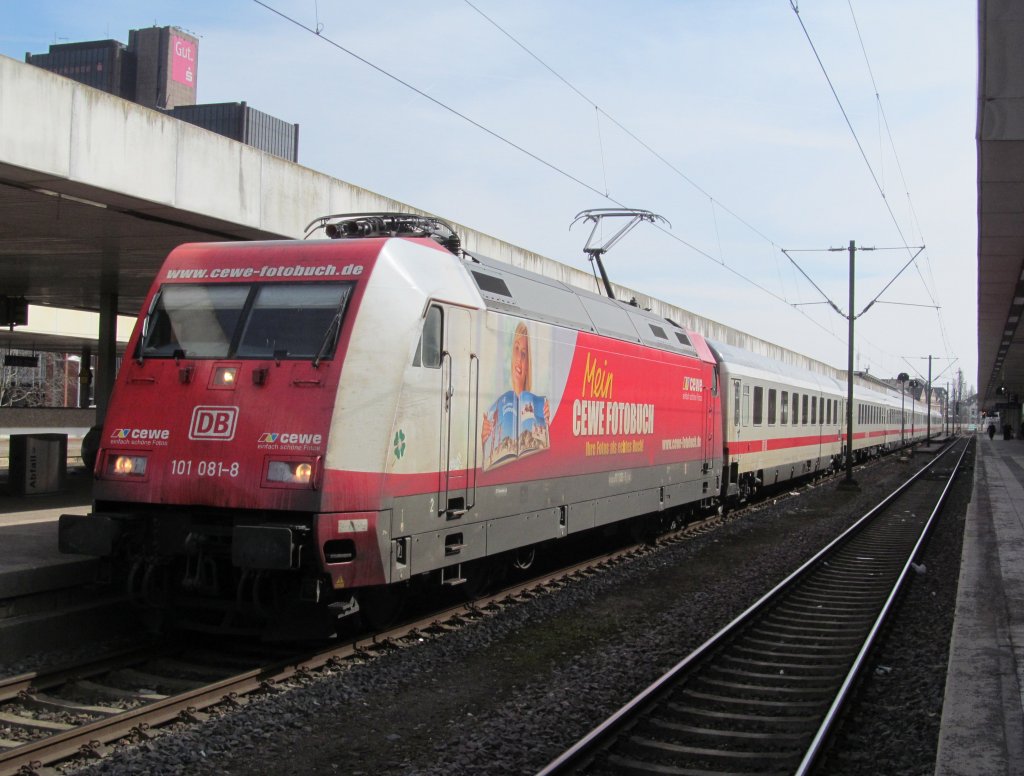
(306, 429)
(302, 424)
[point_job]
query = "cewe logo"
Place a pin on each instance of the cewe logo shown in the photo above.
(140, 433)
(269, 438)
(214, 423)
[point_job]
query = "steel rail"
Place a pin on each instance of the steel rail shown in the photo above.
(576, 755)
(814, 750)
(91, 737)
(13, 686)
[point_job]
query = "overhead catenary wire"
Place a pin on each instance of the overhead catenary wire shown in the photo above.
(910, 203)
(318, 32)
(690, 181)
(618, 124)
(796, 10)
(437, 102)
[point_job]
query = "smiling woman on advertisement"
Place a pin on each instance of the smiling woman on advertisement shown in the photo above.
(517, 422)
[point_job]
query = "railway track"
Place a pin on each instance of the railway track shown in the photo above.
(81, 711)
(763, 695)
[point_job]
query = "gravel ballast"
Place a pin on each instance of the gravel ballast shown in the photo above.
(508, 693)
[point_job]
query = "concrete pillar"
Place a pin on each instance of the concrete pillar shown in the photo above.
(85, 378)
(107, 357)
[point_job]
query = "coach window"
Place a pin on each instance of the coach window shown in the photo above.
(758, 405)
(796, 409)
(804, 413)
(814, 410)
(828, 410)
(428, 353)
(784, 417)
(771, 406)
(746, 405)
(736, 402)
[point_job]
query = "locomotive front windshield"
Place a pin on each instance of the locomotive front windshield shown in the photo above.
(278, 320)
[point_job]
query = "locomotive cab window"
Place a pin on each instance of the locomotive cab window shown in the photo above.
(428, 351)
(227, 320)
(193, 320)
(293, 320)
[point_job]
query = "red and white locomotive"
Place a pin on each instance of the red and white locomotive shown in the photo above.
(303, 427)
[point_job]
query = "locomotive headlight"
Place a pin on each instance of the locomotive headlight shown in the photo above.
(300, 474)
(224, 376)
(127, 465)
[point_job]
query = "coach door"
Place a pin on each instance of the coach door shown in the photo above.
(710, 419)
(460, 375)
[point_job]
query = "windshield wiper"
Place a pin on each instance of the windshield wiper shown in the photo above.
(330, 336)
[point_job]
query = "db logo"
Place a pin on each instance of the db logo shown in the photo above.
(213, 423)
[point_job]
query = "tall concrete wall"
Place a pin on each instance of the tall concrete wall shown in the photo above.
(65, 136)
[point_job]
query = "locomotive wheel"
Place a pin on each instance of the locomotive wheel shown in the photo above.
(382, 606)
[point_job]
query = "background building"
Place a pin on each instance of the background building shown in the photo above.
(159, 68)
(246, 125)
(166, 67)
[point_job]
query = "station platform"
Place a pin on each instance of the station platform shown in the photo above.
(982, 728)
(29, 560)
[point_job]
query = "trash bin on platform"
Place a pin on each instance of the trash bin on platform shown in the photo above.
(39, 463)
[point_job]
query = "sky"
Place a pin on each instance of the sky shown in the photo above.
(714, 114)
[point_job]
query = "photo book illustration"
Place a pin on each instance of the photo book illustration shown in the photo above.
(518, 428)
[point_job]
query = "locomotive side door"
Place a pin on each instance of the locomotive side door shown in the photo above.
(460, 376)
